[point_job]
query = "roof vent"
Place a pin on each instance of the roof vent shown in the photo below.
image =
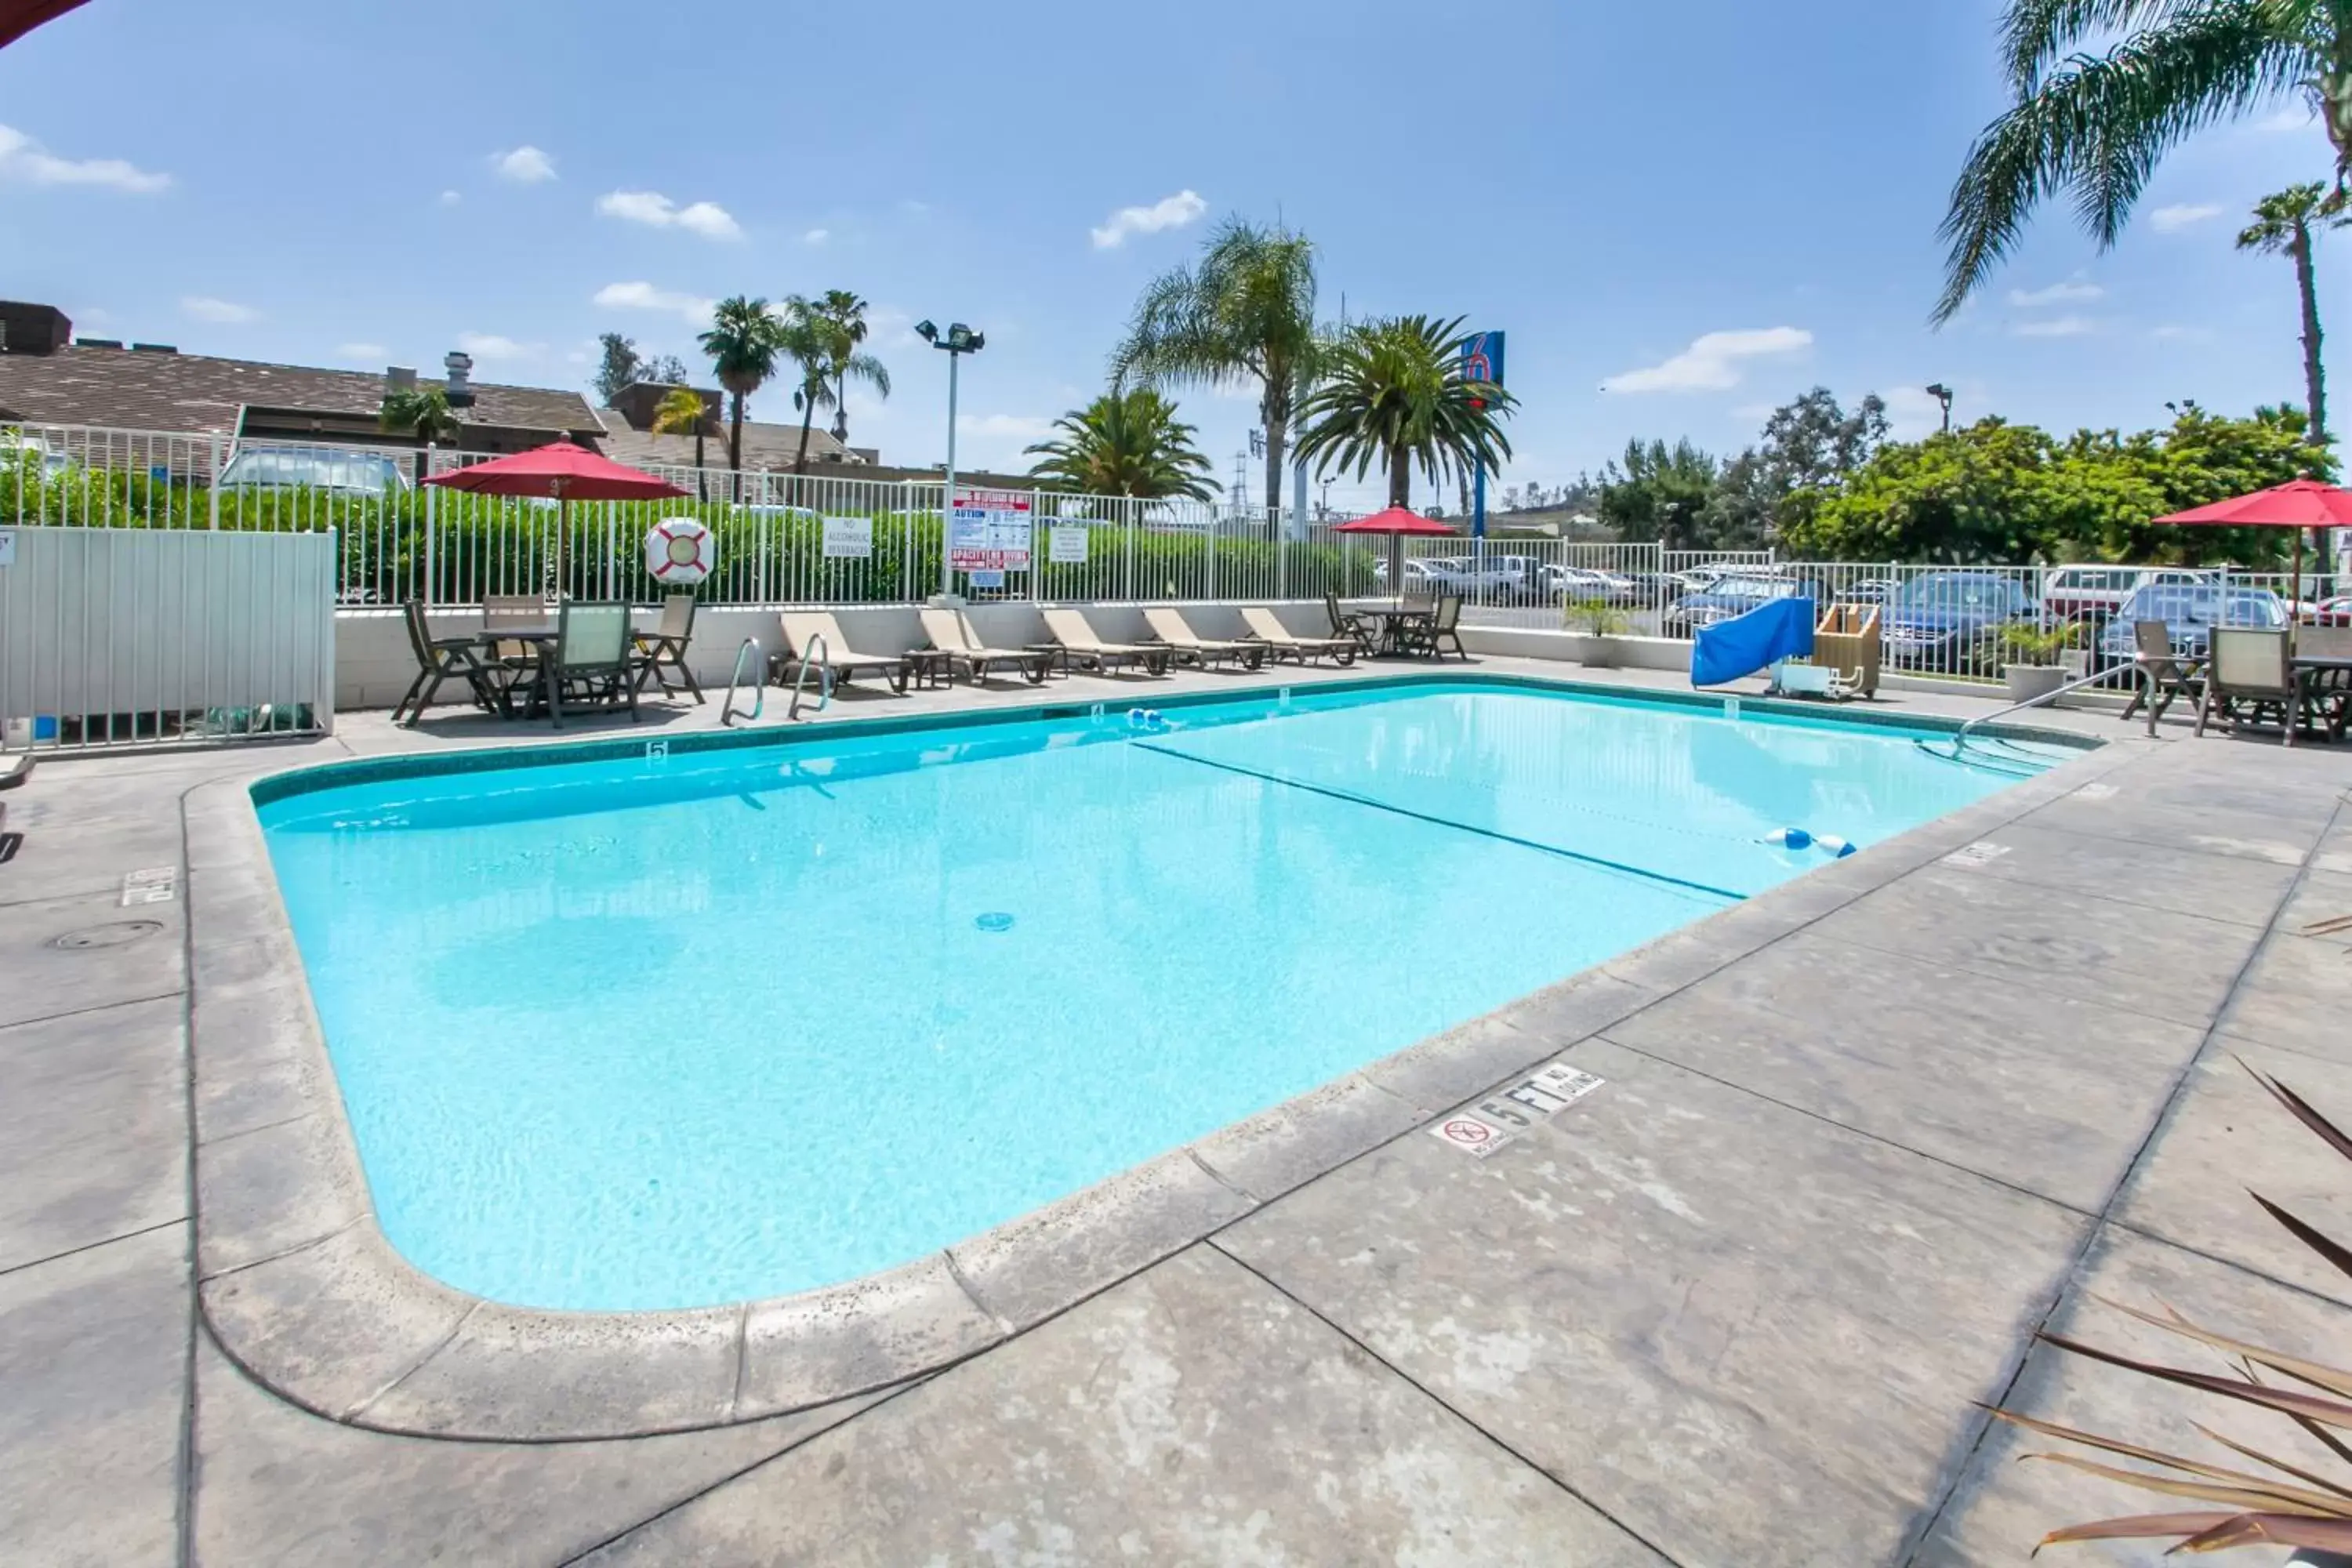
(98, 343)
(154, 347)
(459, 365)
(398, 379)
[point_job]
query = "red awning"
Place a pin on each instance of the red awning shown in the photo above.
(19, 18)
(1396, 519)
(562, 471)
(2303, 503)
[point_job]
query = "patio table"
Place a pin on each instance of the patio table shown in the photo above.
(538, 639)
(2324, 681)
(1393, 619)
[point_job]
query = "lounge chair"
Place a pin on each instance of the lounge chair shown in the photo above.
(951, 634)
(2158, 676)
(1082, 645)
(1344, 625)
(440, 660)
(803, 628)
(1280, 640)
(1166, 624)
(591, 660)
(666, 646)
(1432, 635)
(2249, 676)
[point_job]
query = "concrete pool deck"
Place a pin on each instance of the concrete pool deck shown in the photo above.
(1858, 1139)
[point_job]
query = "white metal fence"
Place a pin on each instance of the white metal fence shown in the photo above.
(112, 637)
(396, 540)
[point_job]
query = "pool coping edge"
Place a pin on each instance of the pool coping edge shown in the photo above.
(298, 1284)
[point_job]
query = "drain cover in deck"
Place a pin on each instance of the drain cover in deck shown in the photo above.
(112, 935)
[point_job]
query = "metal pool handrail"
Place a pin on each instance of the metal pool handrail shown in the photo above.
(1997, 761)
(759, 688)
(821, 654)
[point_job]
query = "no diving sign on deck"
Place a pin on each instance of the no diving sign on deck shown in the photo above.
(1481, 1128)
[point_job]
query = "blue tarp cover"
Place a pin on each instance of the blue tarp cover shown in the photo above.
(1776, 629)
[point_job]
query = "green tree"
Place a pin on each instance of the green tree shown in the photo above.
(843, 315)
(1244, 313)
(2286, 224)
(1124, 442)
(1659, 493)
(1394, 395)
(616, 367)
(1996, 492)
(681, 412)
(423, 413)
(744, 342)
(801, 336)
(2095, 126)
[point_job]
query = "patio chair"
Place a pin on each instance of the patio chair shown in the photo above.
(1281, 641)
(803, 627)
(439, 660)
(1167, 623)
(666, 646)
(590, 662)
(1432, 635)
(14, 769)
(2249, 678)
(951, 633)
(1344, 625)
(2327, 694)
(2158, 676)
(1082, 645)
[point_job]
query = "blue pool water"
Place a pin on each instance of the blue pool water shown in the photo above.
(667, 1033)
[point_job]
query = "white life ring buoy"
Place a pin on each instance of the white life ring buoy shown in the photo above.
(681, 551)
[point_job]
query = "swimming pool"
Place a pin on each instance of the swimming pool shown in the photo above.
(669, 1031)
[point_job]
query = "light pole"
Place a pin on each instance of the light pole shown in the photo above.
(1943, 395)
(959, 342)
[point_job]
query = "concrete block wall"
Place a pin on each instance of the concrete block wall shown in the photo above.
(374, 665)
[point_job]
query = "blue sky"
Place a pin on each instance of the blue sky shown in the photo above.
(1702, 208)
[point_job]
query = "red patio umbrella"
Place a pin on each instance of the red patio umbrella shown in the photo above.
(564, 472)
(1396, 523)
(2298, 504)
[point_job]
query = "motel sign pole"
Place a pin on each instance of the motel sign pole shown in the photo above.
(1482, 360)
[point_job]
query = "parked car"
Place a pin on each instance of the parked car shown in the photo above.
(368, 474)
(2096, 593)
(1868, 591)
(1652, 590)
(1949, 622)
(2335, 612)
(1730, 595)
(2189, 612)
(17, 447)
(1583, 583)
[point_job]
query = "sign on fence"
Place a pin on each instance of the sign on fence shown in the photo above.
(987, 531)
(1066, 545)
(849, 538)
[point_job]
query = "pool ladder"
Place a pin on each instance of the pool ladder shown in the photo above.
(822, 662)
(2015, 762)
(735, 682)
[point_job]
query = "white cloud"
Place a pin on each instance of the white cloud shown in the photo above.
(2300, 118)
(656, 210)
(361, 351)
(1754, 413)
(2056, 327)
(490, 346)
(225, 313)
(21, 158)
(1169, 212)
(816, 237)
(642, 296)
(450, 198)
(2067, 293)
(2182, 215)
(524, 165)
(2171, 333)
(1712, 363)
(1911, 413)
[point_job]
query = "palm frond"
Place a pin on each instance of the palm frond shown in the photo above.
(2098, 128)
(2036, 33)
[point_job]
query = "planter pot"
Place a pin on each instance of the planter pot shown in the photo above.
(2075, 662)
(1593, 651)
(2027, 681)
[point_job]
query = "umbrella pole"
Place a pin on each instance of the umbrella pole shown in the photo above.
(562, 529)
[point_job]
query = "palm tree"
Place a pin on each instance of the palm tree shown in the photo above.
(844, 315)
(743, 343)
(1245, 313)
(680, 413)
(802, 336)
(1393, 392)
(424, 412)
(2283, 224)
(1125, 443)
(2095, 126)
